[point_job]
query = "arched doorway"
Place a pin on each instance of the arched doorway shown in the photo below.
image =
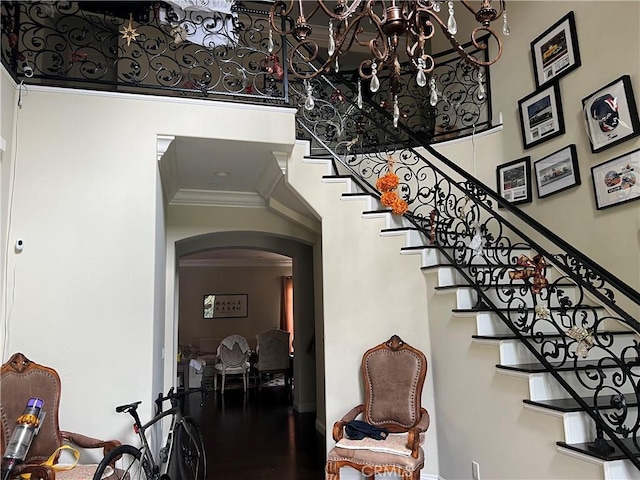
(305, 376)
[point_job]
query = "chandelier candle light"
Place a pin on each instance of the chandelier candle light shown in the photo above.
(380, 26)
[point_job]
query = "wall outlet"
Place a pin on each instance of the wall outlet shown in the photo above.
(475, 470)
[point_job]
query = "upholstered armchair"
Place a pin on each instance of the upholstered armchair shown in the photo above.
(273, 354)
(233, 359)
(393, 374)
(21, 379)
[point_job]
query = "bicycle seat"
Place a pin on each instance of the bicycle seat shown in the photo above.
(128, 407)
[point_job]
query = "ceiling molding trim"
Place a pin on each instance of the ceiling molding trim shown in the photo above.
(281, 158)
(310, 224)
(217, 198)
(268, 181)
(162, 144)
(235, 262)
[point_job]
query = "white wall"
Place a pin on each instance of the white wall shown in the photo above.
(8, 104)
(370, 292)
(86, 294)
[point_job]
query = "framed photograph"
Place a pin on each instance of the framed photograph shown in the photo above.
(225, 306)
(617, 181)
(541, 116)
(557, 172)
(555, 52)
(611, 115)
(514, 181)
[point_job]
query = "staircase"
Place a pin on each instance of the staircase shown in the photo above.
(510, 324)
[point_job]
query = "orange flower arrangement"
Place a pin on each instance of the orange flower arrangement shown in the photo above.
(387, 184)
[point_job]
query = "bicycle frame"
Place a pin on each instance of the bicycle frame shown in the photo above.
(158, 470)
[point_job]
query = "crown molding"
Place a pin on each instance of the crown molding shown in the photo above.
(235, 262)
(217, 198)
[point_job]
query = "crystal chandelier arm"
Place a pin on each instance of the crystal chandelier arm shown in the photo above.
(281, 9)
(486, 13)
(343, 15)
(479, 45)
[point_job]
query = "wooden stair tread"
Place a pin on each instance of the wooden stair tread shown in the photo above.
(486, 308)
(572, 405)
(559, 366)
(501, 285)
(512, 336)
(617, 454)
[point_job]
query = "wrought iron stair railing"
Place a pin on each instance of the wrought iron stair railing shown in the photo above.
(581, 310)
(454, 213)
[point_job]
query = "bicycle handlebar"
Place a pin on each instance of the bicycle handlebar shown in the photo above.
(175, 396)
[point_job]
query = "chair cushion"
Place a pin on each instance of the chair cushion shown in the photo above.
(79, 472)
(395, 444)
(231, 370)
(83, 472)
(377, 459)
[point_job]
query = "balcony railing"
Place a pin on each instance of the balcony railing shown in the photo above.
(83, 45)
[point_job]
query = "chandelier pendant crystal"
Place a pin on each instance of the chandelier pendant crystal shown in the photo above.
(393, 32)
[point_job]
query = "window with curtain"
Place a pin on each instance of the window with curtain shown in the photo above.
(286, 309)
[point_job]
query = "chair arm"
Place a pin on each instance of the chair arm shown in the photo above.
(88, 442)
(413, 438)
(38, 472)
(338, 427)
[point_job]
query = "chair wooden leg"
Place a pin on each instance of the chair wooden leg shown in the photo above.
(223, 380)
(333, 472)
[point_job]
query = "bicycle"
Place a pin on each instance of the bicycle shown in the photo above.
(127, 462)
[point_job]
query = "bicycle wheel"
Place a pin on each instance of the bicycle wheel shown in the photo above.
(127, 462)
(191, 457)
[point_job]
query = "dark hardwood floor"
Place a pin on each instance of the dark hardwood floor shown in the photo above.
(258, 436)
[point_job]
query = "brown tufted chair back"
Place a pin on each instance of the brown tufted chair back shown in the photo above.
(393, 374)
(21, 379)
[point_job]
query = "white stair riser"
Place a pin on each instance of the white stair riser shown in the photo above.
(543, 386)
(513, 352)
(448, 276)
(489, 323)
(320, 161)
(432, 257)
(391, 220)
(466, 297)
(413, 238)
(370, 202)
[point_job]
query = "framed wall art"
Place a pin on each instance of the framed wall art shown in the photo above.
(514, 181)
(617, 181)
(225, 306)
(555, 52)
(557, 172)
(541, 116)
(611, 115)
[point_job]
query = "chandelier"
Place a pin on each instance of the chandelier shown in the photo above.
(379, 26)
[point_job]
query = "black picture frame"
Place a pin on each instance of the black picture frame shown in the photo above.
(225, 306)
(557, 172)
(514, 181)
(555, 52)
(541, 116)
(611, 115)
(617, 181)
